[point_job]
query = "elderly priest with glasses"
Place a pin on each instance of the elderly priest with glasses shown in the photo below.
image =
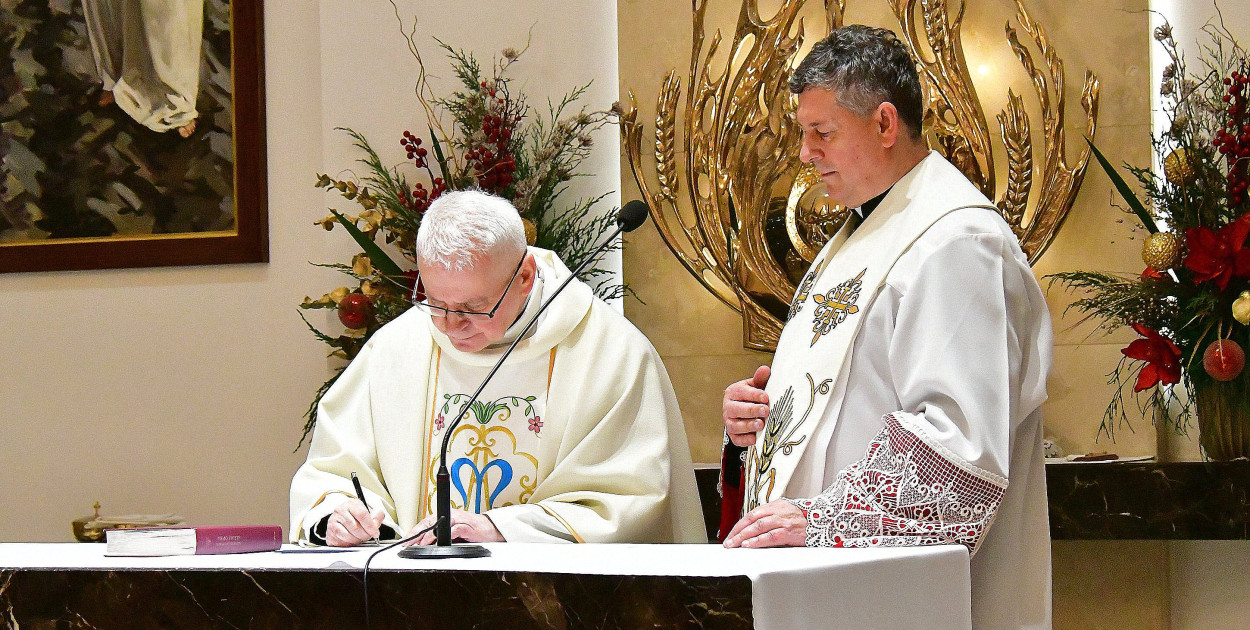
(578, 438)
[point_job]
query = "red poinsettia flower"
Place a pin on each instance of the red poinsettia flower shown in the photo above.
(1219, 256)
(1162, 357)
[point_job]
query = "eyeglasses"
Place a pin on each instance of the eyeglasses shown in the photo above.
(439, 311)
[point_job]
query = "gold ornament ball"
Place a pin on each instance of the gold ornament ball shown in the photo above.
(1241, 308)
(531, 232)
(1178, 167)
(1162, 251)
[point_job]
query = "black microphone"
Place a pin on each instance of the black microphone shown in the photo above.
(631, 216)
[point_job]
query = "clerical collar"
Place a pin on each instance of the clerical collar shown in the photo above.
(870, 205)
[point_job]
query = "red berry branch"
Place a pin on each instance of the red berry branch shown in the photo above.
(490, 153)
(1233, 141)
(419, 199)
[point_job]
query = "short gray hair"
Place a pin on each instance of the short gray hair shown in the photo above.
(865, 67)
(464, 226)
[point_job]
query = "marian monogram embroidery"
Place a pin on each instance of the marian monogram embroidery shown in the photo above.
(834, 307)
(493, 470)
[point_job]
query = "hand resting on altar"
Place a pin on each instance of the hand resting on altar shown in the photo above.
(775, 524)
(465, 527)
(745, 406)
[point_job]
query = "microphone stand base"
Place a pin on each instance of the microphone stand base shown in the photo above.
(435, 552)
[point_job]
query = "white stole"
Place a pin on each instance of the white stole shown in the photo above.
(805, 390)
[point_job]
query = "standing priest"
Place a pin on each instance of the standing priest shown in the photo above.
(902, 406)
(578, 438)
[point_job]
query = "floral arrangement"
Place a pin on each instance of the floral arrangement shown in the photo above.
(495, 142)
(1191, 303)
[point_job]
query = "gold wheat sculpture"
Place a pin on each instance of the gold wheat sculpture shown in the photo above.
(738, 210)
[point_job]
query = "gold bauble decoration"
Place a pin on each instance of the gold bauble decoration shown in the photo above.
(531, 232)
(1241, 308)
(1162, 251)
(1178, 167)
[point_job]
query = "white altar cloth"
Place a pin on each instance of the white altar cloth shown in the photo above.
(920, 587)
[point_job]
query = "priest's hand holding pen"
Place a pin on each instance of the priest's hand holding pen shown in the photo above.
(352, 522)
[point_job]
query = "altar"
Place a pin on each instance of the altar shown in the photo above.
(519, 586)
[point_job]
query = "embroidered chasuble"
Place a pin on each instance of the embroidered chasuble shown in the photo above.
(577, 439)
(905, 394)
(492, 456)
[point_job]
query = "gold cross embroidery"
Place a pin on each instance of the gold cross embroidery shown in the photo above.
(833, 307)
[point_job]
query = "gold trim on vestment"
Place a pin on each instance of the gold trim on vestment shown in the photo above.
(551, 368)
(428, 467)
(576, 536)
(429, 442)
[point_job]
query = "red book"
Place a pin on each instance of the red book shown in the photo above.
(175, 541)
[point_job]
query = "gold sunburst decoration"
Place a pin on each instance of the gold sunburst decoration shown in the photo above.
(734, 205)
(810, 219)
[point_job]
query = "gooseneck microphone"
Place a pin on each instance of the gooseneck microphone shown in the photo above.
(631, 216)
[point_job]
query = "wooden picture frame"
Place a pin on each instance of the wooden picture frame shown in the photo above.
(247, 241)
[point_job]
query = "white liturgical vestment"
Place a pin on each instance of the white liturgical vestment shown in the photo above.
(147, 53)
(925, 427)
(578, 438)
(492, 454)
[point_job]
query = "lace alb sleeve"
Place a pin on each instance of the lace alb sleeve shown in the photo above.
(908, 490)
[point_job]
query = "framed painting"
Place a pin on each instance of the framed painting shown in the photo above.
(132, 134)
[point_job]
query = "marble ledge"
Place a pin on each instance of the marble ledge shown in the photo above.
(1126, 501)
(1149, 500)
(192, 600)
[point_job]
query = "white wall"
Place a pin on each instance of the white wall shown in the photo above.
(370, 73)
(182, 390)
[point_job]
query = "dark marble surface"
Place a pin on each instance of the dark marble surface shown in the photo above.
(709, 499)
(185, 599)
(1148, 500)
(1144, 500)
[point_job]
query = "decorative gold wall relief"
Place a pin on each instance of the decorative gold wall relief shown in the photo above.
(735, 206)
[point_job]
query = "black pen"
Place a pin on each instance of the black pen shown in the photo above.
(360, 494)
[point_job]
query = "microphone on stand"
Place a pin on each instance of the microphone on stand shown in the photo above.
(631, 216)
